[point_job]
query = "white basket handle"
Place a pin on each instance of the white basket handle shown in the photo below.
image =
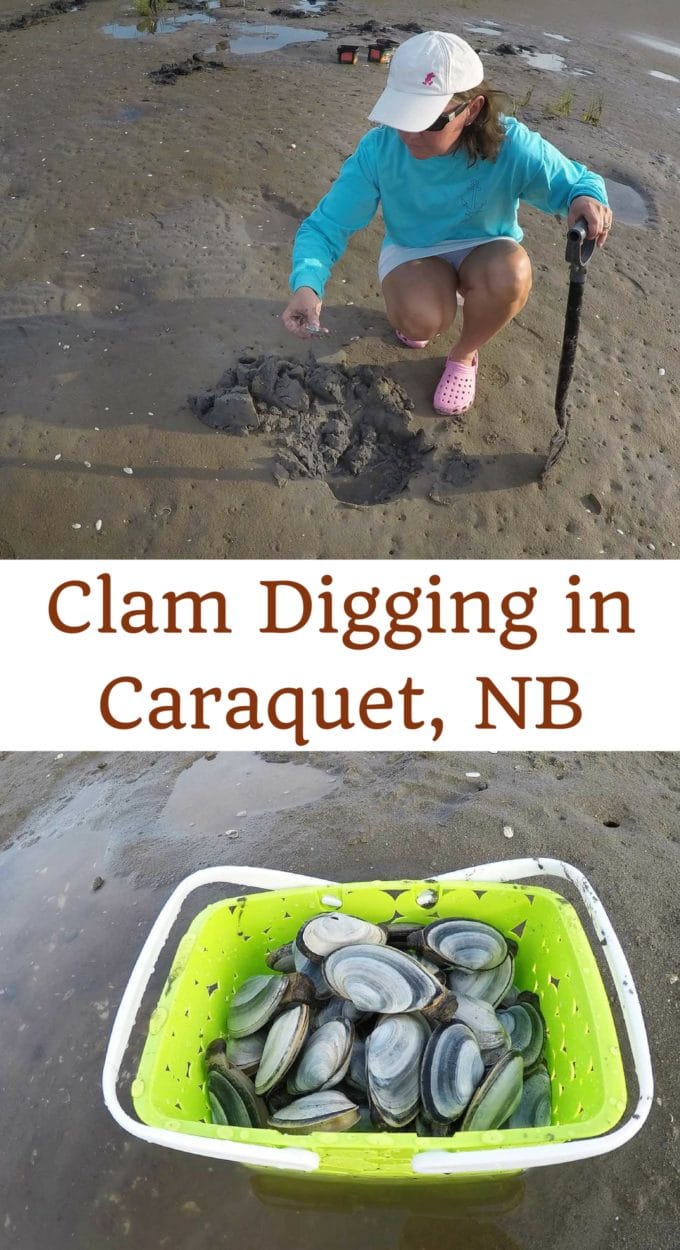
(288, 1158)
(516, 1158)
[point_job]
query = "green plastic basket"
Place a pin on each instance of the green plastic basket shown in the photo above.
(228, 941)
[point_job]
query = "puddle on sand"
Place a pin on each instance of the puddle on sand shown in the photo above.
(153, 26)
(254, 38)
(488, 28)
(545, 60)
(628, 206)
(560, 38)
(656, 73)
(214, 796)
(310, 6)
(659, 45)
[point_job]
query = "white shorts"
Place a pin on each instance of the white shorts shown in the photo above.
(453, 250)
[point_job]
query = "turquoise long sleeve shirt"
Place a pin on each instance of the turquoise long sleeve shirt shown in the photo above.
(426, 202)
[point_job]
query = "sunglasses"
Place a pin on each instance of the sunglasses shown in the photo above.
(445, 118)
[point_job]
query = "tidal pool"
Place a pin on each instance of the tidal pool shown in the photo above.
(153, 26)
(551, 61)
(255, 38)
(628, 205)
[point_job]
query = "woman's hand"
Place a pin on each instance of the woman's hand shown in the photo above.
(598, 217)
(302, 315)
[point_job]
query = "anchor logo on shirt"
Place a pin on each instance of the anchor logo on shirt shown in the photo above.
(471, 200)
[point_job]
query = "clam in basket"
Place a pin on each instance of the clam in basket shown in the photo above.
(227, 942)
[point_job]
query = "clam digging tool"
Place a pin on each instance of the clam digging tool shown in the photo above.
(579, 251)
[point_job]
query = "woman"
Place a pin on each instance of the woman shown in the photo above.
(449, 171)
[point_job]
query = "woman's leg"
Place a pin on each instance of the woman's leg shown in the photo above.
(420, 297)
(495, 280)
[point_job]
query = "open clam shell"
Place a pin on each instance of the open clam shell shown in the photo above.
(497, 1097)
(491, 984)
(322, 935)
(324, 1058)
(534, 1109)
(233, 1099)
(380, 979)
(325, 1112)
(468, 944)
(492, 1037)
(526, 1029)
(282, 1047)
(394, 1053)
(452, 1069)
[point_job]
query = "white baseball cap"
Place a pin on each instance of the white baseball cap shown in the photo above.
(424, 73)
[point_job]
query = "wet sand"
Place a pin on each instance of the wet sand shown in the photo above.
(145, 245)
(73, 1179)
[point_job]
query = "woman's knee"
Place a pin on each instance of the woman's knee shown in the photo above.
(419, 320)
(509, 276)
(420, 297)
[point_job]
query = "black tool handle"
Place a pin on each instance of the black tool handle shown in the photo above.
(579, 247)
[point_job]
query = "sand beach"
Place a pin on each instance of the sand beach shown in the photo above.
(147, 225)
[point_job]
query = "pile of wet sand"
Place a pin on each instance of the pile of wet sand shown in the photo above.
(347, 425)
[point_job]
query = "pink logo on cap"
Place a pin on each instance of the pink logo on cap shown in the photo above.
(428, 79)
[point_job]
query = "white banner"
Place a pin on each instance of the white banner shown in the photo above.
(340, 655)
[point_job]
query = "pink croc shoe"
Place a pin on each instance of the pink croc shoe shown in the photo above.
(456, 390)
(411, 342)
